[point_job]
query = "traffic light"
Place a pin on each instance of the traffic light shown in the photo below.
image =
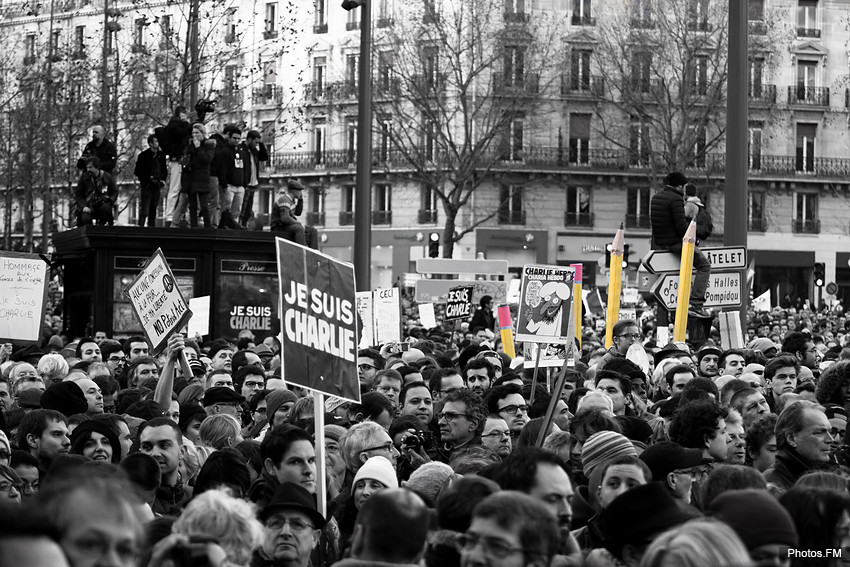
(434, 245)
(352, 4)
(819, 273)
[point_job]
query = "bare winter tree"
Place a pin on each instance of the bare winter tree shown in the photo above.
(456, 86)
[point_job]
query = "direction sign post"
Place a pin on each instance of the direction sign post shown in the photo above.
(724, 290)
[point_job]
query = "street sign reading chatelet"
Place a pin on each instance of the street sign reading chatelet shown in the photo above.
(724, 290)
(459, 303)
(319, 321)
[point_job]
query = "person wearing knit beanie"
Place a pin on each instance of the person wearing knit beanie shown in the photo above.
(65, 397)
(96, 440)
(334, 432)
(761, 522)
(375, 475)
(5, 446)
(282, 400)
(603, 446)
(428, 481)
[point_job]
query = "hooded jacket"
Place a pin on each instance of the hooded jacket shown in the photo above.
(667, 215)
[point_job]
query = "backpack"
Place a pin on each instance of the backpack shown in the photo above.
(704, 224)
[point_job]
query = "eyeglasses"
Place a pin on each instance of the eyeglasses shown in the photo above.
(253, 384)
(513, 409)
(451, 416)
(4, 455)
(117, 359)
(7, 486)
(491, 546)
(498, 434)
(295, 524)
(365, 367)
(388, 447)
(632, 336)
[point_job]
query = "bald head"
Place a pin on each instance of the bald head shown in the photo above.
(392, 526)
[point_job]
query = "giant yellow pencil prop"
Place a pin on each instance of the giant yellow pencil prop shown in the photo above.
(686, 269)
(577, 302)
(507, 330)
(615, 281)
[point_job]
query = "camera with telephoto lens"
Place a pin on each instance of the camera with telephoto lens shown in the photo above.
(205, 106)
(414, 440)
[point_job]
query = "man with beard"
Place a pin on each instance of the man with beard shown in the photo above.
(479, 375)
(461, 422)
(95, 195)
(547, 318)
(101, 148)
(162, 439)
(507, 402)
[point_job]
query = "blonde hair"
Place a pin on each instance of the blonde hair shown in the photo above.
(200, 128)
(230, 521)
(219, 431)
(698, 543)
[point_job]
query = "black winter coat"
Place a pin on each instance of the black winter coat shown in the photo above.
(196, 178)
(667, 215)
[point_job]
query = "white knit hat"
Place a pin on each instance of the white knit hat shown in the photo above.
(380, 469)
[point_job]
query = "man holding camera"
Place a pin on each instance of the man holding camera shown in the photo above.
(151, 172)
(102, 149)
(95, 195)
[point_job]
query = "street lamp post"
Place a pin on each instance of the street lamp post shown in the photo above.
(363, 188)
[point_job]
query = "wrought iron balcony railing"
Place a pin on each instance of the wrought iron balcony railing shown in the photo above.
(577, 219)
(805, 226)
(808, 96)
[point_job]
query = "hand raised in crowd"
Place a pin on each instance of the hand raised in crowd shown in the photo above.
(176, 344)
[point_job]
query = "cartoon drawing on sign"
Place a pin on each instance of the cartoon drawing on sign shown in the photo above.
(547, 302)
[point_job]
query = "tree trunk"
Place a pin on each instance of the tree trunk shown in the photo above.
(449, 231)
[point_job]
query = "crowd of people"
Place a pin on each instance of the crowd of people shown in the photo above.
(213, 175)
(203, 455)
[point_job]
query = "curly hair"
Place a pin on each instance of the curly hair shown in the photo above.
(475, 408)
(694, 422)
(591, 421)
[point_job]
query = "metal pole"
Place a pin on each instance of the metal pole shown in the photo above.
(104, 69)
(363, 190)
(735, 223)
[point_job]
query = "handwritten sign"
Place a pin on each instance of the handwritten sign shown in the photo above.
(157, 302)
(459, 303)
(23, 293)
(386, 305)
(367, 319)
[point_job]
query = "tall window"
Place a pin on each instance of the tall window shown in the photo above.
(512, 142)
(641, 13)
(755, 10)
(696, 155)
(510, 205)
(385, 70)
(110, 42)
(320, 67)
(698, 76)
(351, 65)
(351, 139)
(55, 42)
(428, 210)
(430, 63)
(320, 132)
(698, 15)
(806, 147)
(230, 27)
(386, 138)
(580, 69)
(514, 66)
(29, 48)
(637, 207)
(271, 20)
(755, 215)
(579, 138)
(807, 18)
(352, 21)
(429, 137)
(80, 41)
(806, 213)
(639, 142)
(382, 204)
(641, 67)
(165, 29)
(578, 207)
(754, 153)
(316, 215)
(139, 34)
(581, 13)
(514, 6)
(321, 20)
(346, 211)
(756, 78)
(806, 80)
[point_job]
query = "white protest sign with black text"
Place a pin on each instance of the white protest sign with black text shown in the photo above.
(23, 293)
(386, 306)
(157, 302)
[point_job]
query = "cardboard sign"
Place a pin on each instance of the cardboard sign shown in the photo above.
(459, 303)
(157, 302)
(426, 315)
(319, 325)
(199, 324)
(545, 304)
(386, 304)
(367, 318)
(23, 294)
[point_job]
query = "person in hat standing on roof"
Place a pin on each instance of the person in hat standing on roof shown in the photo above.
(669, 224)
(287, 207)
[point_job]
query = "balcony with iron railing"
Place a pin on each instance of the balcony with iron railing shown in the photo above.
(581, 86)
(319, 92)
(801, 95)
(346, 218)
(527, 84)
(560, 158)
(427, 216)
(316, 218)
(641, 88)
(320, 28)
(382, 217)
(808, 33)
(759, 94)
(351, 26)
(638, 221)
(384, 22)
(511, 216)
(757, 27)
(805, 226)
(577, 219)
(702, 25)
(757, 224)
(270, 34)
(582, 20)
(642, 23)
(268, 95)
